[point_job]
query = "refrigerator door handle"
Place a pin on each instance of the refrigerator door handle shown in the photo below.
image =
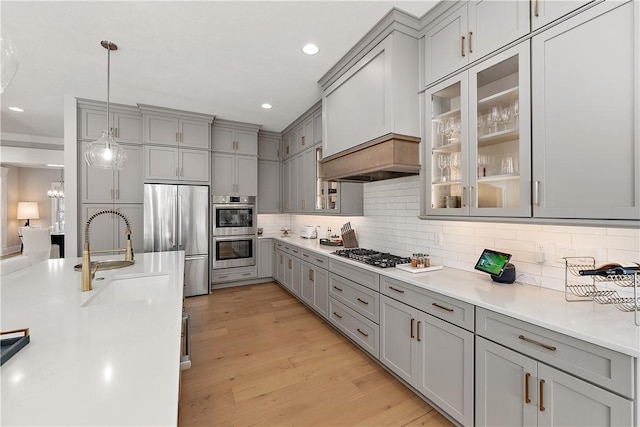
(180, 245)
(185, 359)
(194, 257)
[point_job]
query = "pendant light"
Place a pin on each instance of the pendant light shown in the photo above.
(105, 153)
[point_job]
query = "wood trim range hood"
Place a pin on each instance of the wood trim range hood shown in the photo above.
(386, 157)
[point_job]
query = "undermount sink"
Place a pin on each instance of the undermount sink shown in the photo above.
(127, 288)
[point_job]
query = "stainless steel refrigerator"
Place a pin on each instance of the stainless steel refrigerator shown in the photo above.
(176, 218)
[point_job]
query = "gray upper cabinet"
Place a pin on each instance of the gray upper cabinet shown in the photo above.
(585, 104)
(269, 145)
(469, 32)
(125, 122)
(478, 140)
(108, 186)
(235, 158)
(544, 12)
(269, 181)
(164, 126)
(235, 137)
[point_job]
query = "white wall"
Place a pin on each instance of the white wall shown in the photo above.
(390, 223)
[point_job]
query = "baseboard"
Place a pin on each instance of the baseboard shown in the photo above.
(241, 283)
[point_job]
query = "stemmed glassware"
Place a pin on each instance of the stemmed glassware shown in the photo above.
(442, 164)
(454, 166)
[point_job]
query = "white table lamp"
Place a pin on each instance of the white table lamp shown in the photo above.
(28, 211)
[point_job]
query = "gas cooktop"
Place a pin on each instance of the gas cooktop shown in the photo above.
(371, 257)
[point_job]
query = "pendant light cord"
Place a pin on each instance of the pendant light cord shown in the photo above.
(108, 84)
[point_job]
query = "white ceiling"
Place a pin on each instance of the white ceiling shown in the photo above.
(224, 58)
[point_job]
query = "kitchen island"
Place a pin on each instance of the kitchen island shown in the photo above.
(109, 356)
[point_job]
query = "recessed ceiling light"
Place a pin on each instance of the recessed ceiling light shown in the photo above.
(310, 49)
(16, 109)
(266, 106)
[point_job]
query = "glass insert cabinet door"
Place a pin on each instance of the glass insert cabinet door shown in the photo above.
(327, 192)
(479, 133)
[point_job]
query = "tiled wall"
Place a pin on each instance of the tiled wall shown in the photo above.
(390, 223)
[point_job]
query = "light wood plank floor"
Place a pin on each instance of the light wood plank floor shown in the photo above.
(260, 357)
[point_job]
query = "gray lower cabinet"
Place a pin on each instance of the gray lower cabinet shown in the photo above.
(278, 266)
(315, 288)
(515, 390)
(304, 274)
(292, 266)
(433, 356)
(265, 258)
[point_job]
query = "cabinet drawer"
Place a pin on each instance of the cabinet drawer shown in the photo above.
(291, 249)
(231, 275)
(449, 309)
(321, 261)
(355, 296)
(361, 330)
(596, 364)
(367, 278)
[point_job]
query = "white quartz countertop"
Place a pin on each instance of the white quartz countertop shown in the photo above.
(598, 324)
(105, 364)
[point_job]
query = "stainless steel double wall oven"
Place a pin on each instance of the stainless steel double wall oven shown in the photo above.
(234, 231)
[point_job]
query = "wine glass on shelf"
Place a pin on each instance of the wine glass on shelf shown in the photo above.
(495, 117)
(454, 162)
(515, 110)
(505, 116)
(442, 164)
(440, 130)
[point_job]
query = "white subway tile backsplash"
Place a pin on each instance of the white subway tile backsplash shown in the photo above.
(390, 223)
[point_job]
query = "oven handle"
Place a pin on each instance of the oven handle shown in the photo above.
(233, 205)
(235, 237)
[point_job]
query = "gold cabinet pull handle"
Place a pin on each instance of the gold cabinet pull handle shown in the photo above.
(290, 263)
(337, 288)
(337, 315)
(397, 290)
(542, 396)
(412, 320)
(362, 301)
(462, 45)
(526, 388)
(450, 310)
(303, 140)
(470, 49)
(365, 334)
(534, 342)
(305, 255)
(535, 8)
(471, 196)
(419, 330)
(311, 275)
(320, 261)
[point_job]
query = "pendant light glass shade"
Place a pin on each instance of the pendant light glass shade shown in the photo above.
(8, 61)
(105, 153)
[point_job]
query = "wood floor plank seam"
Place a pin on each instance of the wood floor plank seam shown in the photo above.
(261, 357)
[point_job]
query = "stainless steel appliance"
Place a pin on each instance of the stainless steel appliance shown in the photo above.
(234, 215)
(176, 218)
(234, 251)
(371, 257)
